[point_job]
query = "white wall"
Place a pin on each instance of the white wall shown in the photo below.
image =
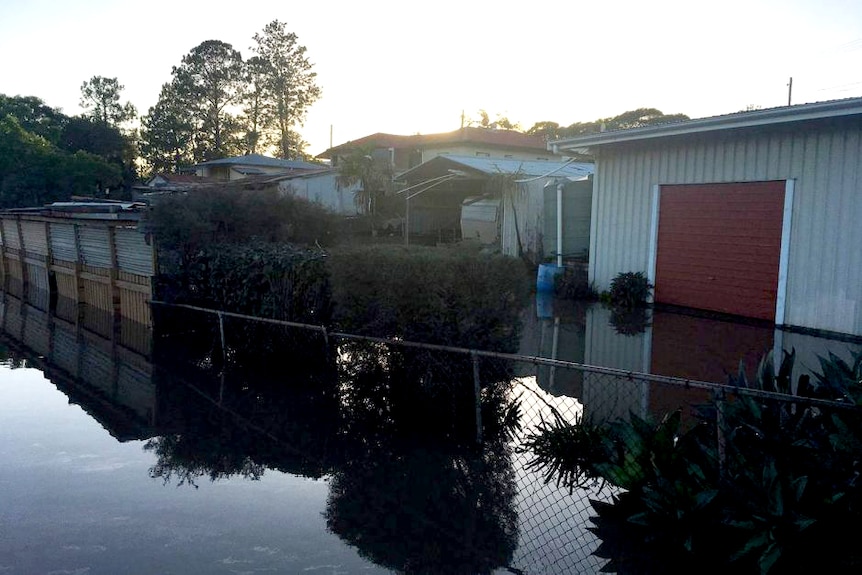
(323, 189)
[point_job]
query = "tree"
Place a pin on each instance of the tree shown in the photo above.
(373, 176)
(290, 85)
(100, 97)
(501, 123)
(34, 172)
(257, 114)
(34, 116)
(167, 133)
(209, 82)
(632, 119)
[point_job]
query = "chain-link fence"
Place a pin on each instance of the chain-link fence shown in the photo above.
(516, 455)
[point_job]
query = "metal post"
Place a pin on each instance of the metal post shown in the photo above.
(477, 391)
(407, 220)
(223, 356)
(718, 398)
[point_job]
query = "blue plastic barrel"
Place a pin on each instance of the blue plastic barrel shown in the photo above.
(545, 277)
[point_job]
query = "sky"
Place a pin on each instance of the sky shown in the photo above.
(410, 67)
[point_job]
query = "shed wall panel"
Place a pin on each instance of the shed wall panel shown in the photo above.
(11, 238)
(63, 245)
(133, 253)
(824, 287)
(35, 237)
(95, 246)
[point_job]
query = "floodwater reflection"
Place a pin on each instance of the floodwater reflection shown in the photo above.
(667, 343)
(418, 447)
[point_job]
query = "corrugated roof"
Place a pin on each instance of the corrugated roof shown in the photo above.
(494, 166)
(748, 119)
(466, 135)
(261, 161)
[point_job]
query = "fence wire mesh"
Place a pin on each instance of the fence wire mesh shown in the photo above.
(418, 411)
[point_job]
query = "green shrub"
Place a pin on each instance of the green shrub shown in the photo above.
(278, 281)
(756, 485)
(629, 289)
(451, 296)
(193, 221)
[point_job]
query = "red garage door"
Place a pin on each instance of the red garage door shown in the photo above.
(719, 247)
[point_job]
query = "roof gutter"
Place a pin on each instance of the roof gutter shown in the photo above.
(772, 116)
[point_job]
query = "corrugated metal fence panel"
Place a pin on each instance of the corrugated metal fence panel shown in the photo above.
(37, 276)
(37, 334)
(35, 237)
(13, 322)
(135, 305)
(824, 288)
(67, 285)
(97, 366)
(63, 246)
(133, 253)
(135, 389)
(95, 246)
(65, 353)
(10, 233)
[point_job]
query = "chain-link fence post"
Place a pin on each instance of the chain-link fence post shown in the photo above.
(477, 391)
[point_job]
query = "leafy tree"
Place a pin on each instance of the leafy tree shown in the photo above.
(549, 130)
(373, 176)
(100, 97)
(34, 116)
(209, 82)
(103, 140)
(638, 118)
(290, 85)
(256, 111)
(167, 133)
(501, 123)
(34, 172)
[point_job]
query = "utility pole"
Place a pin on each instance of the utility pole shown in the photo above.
(789, 90)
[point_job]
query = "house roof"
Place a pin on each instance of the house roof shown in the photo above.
(484, 167)
(466, 135)
(751, 119)
(180, 179)
(258, 160)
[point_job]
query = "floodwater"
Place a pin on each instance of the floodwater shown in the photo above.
(125, 453)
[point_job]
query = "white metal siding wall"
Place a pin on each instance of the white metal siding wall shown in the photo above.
(527, 201)
(133, 253)
(824, 288)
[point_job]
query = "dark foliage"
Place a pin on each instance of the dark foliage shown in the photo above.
(451, 296)
(755, 486)
(629, 289)
(574, 283)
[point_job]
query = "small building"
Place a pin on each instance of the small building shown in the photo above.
(447, 188)
(322, 187)
(753, 214)
(403, 153)
(239, 167)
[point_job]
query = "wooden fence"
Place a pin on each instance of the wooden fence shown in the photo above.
(102, 260)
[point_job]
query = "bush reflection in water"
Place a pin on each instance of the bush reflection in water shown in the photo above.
(395, 429)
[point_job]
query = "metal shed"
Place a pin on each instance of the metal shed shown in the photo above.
(678, 201)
